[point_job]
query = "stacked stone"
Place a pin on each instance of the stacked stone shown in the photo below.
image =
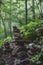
(18, 54)
(21, 51)
(2, 62)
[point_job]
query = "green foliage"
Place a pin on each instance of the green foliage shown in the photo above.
(35, 58)
(29, 30)
(5, 39)
(13, 13)
(1, 42)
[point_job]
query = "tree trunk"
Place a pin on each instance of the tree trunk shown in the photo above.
(26, 11)
(40, 2)
(4, 27)
(3, 21)
(33, 11)
(10, 21)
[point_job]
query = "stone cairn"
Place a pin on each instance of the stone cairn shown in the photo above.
(18, 54)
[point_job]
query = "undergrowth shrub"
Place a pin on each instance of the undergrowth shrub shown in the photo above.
(32, 31)
(5, 39)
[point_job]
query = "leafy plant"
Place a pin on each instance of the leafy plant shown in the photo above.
(5, 39)
(36, 58)
(29, 30)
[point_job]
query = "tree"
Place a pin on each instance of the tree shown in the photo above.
(3, 20)
(33, 11)
(26, 11)
(41, 15)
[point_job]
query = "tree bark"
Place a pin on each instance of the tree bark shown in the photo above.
(40, 2)
(33, 11)
(26, 11)
(10, 21)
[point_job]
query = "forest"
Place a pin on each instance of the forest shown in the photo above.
(21, 32)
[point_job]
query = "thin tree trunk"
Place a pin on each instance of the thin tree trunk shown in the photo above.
(26, 11)
(10, 21)
(40, 2)
(20, 18)
(33, 11)
(4, 27)
(3, 20)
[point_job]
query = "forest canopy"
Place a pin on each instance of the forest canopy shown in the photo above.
(19, 13)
